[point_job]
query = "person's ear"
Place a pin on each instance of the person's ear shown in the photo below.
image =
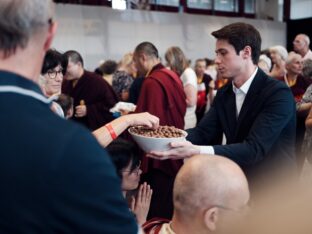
(247, 52)
(211, 217)
(50, 35)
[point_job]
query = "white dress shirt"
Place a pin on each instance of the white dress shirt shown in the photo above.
(240, 94)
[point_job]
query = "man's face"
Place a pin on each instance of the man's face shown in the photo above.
(200, 68)
(73, 70)
(139, 64)
(229, 64)
(299, 43)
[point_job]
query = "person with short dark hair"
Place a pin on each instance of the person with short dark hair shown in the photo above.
(93, 96)
(126, 158)
(256, 113)
(161, 95)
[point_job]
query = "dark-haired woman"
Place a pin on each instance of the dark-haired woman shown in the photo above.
(125, 157)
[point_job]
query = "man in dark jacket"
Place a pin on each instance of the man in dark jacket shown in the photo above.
(256, 113)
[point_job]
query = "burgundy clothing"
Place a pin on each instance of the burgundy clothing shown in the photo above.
(298, 89)
(97, 95)
(162, 95)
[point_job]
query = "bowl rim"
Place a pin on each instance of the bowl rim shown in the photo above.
(135, 134)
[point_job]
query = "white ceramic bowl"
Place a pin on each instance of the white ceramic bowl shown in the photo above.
(153, 143)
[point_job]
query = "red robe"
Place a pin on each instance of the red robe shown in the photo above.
(98, 96)
(162, 95)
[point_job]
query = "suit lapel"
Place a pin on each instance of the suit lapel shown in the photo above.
(230, 111)
(251, 97)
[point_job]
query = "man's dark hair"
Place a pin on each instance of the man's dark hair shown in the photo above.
(74, 56)
(108, 67)
(52, 59)
(240, 35)
(147, 48)
(122, 153)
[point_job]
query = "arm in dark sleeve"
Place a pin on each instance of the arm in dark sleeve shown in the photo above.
(98, 112)
(87, 191)
(208, 130)
(278, 111)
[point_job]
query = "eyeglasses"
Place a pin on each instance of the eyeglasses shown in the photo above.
(52, 73)
(135, 171)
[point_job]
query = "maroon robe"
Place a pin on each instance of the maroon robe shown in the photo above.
(98, 96)
(162, 95)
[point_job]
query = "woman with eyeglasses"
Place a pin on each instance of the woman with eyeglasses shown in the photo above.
(52, 71)
(125, 157)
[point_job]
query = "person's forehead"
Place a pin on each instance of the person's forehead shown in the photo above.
(299, 38)
(223, 45)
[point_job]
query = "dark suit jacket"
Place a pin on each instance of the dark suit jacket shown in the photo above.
(261, 140)
(54, 176)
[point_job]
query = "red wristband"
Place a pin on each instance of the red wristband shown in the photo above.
(111, 131)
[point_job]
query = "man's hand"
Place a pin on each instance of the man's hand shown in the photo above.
(80, 111)
(145, 119)
(179, 150)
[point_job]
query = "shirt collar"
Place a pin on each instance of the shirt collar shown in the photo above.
(13, 83)
(245, 87)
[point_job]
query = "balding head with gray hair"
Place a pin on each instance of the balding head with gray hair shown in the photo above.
(20, 20)
(206, 182)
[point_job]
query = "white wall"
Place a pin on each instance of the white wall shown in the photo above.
(301, 9)
(103, 33)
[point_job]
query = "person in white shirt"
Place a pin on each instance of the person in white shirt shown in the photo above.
(177, 62)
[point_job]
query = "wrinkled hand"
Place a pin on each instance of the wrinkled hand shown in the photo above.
(141, 204)
(179, 150)
(145, 119)
(80, 111)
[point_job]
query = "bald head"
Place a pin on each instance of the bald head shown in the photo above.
(301, 44)
(146, 48)
(206, 181)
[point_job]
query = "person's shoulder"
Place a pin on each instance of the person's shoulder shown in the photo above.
(189, 72)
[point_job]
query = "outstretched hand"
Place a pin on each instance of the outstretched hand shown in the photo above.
(145, 119)
(141, 204)
(179, 150)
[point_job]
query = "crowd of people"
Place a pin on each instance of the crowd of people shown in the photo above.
(69, 166)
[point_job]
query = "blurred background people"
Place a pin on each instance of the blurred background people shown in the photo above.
(107, 69)
(205, 86)
(278, 55)
(178, 63)
(93, 96)
(301, 45)
(123, 77)
(265, 63)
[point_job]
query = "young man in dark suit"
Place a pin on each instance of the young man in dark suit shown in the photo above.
(255, 112)
(54, 176)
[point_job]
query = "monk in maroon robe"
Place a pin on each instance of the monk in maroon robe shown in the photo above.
(93, 96)
(161, 95)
